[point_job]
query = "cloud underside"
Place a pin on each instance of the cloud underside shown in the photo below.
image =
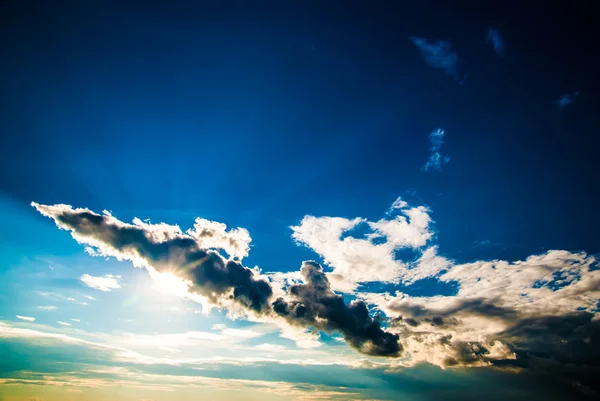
(538, 312)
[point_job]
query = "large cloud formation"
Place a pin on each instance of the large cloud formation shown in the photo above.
(193, 257)
(541, 312)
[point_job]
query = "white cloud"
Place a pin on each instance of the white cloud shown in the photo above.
(63, 323)
(492, 297)
(47, 308)
(214, 235)
(436, 159)
(270, 347)
(107, 283)
(370, 259)
(76, 320)
(26, 318)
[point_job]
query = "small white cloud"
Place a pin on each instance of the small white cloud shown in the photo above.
(436, 159)
(270, 347)
(89, 297)
(107, 283)
(76, 320)
(63, 323)
(47, 308)
(71, 299)
(26, 318)
(399, 204)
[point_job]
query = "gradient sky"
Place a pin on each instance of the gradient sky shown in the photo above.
(435, 159)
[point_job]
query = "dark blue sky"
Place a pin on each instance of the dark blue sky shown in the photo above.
(257, 113)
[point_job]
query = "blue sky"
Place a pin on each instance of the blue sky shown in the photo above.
(435, 161)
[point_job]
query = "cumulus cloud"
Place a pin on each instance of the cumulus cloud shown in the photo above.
(436, 159)
(372, 258)
(438, 54)
(502, 310)
(165, 249)
(536, 312)
(496, 40)
(107, 283)
(314, 304)
(26, 318)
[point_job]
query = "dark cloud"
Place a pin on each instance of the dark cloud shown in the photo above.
(315, 304)
(210, 274)
(166, 249)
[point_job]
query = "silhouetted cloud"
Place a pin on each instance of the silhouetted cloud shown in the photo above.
(314, 304)
(436, 159)
(495, 39)
(162, 248)
(438, 54)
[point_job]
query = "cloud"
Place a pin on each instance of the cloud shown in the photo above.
(270, 347)
(314, 304)
(436, 159)
(26, 318)
(438, 54)
(63, 323)
(371, 258)
(107, 283)
(566, 99)
(47, 308)
(544, 307)
(538, 313)
(165, 249)
(495, 39)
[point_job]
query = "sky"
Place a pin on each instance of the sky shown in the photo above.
(341, 200)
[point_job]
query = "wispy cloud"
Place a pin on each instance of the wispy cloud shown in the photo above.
(63, 323)
(495, 39)
(47, 307)
(438, 54)
(436, 159)
(106, 283)
(566, 99)
(26, 318)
